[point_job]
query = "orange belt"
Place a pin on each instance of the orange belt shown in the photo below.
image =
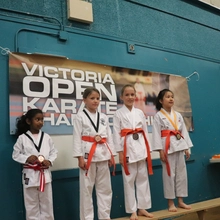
(124, 133)
(92, 150)
(167, 134)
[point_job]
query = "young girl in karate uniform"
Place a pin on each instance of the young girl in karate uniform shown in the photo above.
(93, 146)
(35, 150)
(132, 143)
(170, 137)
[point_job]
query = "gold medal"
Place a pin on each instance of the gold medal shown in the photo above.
(98, 138)
(41, 158)
(135, 136)
(178, 136)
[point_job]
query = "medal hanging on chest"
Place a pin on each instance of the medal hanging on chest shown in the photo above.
(41, 158)
(174, 123)
(98, 138)
(135, 136)
(178, 136)
(96, 127)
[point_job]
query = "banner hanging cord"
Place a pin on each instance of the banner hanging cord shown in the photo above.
(194, 73)
(5, 51)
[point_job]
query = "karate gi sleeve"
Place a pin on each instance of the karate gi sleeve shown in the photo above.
(18, 154)
(156, 134)
(110, 140)
(116, 133)
(53, 151)
(77, 135)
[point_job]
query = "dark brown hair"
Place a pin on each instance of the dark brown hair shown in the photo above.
(89, 90)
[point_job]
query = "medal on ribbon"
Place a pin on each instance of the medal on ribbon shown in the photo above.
(98, 138)
(178, 136)
(135, 136)
(96, 127)
(174, 123)
(41, 158)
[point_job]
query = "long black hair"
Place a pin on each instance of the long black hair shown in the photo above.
(22, 125)
(160, 96)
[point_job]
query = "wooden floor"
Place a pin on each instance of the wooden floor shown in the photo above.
(212, 206)
(211, 214)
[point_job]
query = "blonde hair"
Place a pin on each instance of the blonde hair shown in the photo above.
(126, 86)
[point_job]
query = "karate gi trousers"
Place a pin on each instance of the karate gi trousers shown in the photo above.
(98, 175)
(138, 179)
(38, 205)
(175, 185)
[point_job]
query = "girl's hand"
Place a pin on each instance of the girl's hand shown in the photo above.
(187, 154)
(32, 159)
(121, 158)
(46, 164)
(163, 157)
(81, 163)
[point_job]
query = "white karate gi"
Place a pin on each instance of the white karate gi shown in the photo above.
(136, 157)
(38, 205)
(98, 173)
(174, 185)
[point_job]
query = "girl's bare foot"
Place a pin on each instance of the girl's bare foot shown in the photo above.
(184, 206)
(171, 206)
(134, 216)
(143, 212)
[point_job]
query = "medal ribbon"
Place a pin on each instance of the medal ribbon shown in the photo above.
(92, 151)
(124, 133)
(167, 134)
(174, 123)
(96, 127)
(38, 167)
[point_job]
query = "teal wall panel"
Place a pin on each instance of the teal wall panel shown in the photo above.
(170, 36)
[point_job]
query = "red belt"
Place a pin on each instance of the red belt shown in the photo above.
(38, 167)
(92, 150)
(124, 133)
(167, 134)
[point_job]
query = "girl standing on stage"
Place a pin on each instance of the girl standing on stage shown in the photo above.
(35, 150)
(170, 137)
(93, 146)
(132, 143)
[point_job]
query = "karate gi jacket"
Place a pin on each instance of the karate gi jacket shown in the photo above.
(82, 126)
(24, 147)
(161, 122)
(126, 119)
